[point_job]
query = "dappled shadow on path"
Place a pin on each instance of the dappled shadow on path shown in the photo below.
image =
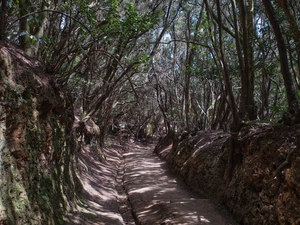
(155, 195)
(158, 198)
(99, 205)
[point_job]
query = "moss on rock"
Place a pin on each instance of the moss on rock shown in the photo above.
(37, 145)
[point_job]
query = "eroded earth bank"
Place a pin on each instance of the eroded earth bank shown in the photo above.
(255, 173)
(38, 180)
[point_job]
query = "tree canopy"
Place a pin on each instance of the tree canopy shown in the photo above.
(186, 65)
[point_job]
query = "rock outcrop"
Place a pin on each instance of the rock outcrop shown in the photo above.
(255, 173)
(38, 180)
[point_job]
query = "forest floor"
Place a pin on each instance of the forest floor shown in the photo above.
(134, 186)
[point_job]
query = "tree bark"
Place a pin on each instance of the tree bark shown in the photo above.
(186, 88)
(293, 103)
(225, 72)
(24, 26)
(296, 32)
(247, 106)
(3, 19)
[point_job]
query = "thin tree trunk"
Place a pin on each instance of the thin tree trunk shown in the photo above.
(293, 103)
(265, 88)
(225, 73)
(247, 108)
(24, 26)
(187, 73)
(292, 21)
(3, 19)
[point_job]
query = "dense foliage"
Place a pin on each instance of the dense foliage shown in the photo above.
(184, 64)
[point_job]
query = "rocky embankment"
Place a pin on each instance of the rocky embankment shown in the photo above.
(37, 143)
(255, 173)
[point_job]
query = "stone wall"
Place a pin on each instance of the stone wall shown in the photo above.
(37, 144)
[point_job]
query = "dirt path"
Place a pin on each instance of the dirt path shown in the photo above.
(135, 187)
(158, 198)
(104, 197)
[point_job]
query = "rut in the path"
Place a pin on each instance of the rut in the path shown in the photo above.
(125, 206)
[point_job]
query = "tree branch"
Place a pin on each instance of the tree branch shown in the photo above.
(54, 11)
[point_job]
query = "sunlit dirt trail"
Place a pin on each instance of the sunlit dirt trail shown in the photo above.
(135, 187)
(157, 197)
(101, 201)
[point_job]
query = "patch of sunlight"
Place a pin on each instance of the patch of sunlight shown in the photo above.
(150, 165)
(192, 217)
(203, 219)
(199, 148)
(165, 178)
(145, 172)
(142, 190)
(95, 211)
(93, 205)
(186, 201)
(89, 214)
(148, 212)
(111, 215)
(105, 195)
(140, 147)
(168, 190)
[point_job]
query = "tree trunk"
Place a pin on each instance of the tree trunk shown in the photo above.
(292, 19)
(225, 72)
(293, 103)
(35, 29)
(24, 26)
(3, 19)
(247, 107)
(265, 89)
(186, 88)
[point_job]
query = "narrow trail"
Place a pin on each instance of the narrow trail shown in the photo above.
(135, 187)
(102, 195)
(158, 198)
